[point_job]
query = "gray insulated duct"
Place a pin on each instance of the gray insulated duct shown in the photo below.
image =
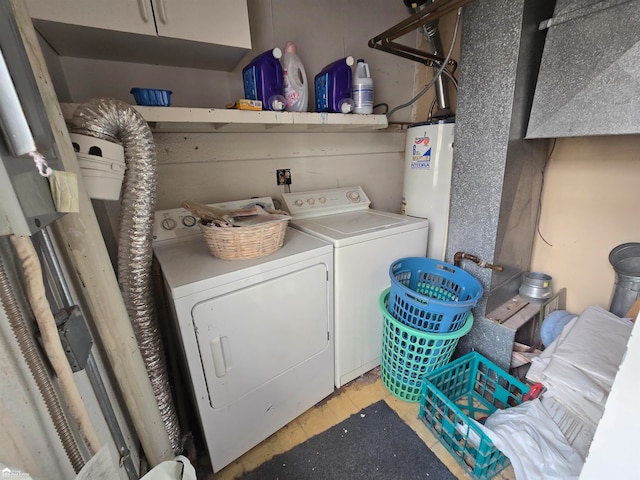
(116, 121)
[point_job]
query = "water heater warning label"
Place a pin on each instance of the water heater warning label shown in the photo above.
(421, 154)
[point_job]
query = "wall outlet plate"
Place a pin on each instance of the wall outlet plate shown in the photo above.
(283, 176)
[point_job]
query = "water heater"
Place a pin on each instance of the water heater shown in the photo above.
(427, 179)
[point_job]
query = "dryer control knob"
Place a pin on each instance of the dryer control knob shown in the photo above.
(353, 196)
(322, 200)
(298, 203)
(168, 224)
(189, 221)
(311, 201)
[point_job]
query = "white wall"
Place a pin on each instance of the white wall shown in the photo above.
(191, 87)
(218, 167)
(590, 204)
(617, 440)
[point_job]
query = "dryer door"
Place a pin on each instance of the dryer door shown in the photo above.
(260, 331)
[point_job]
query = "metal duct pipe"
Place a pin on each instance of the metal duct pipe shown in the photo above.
(432, 36)
(37, 368)
(117, 121)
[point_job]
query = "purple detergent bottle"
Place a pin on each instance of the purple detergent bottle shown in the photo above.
(333, 87)
(263, 80)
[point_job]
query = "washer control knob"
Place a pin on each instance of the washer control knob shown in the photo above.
(298, 203)
(311, 201)
(322, 200)
(168, 224)
(353, 196)
(189, 221)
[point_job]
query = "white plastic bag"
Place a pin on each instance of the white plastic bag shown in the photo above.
(579, 367)
(534, 444)
(179, 468)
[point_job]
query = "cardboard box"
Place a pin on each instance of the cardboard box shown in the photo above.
(246, 104)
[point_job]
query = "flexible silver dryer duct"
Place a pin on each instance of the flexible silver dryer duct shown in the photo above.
(116, 121)
(36, 365)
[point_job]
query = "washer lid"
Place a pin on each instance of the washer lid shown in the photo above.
(355, 227)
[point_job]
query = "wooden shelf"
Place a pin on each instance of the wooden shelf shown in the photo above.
(183, 119)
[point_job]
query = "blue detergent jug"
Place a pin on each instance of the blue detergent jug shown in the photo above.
(333, 87)
(262, 80)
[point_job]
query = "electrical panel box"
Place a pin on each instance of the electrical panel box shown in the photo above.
(26, 204)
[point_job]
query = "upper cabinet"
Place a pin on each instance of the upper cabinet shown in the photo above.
(212, 34)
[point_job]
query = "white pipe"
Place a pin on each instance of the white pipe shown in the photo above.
(51, 340)
(16, 127)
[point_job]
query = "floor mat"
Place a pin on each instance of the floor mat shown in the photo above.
(373, 444)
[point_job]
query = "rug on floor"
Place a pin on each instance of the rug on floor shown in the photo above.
(373, 444)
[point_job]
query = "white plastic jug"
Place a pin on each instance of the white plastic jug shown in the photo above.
(362, 88)
(294, 80)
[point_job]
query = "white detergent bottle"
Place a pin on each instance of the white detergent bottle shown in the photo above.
(362, 88)
(296, 90)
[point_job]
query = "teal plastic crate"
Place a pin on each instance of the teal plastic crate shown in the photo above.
(469, 387)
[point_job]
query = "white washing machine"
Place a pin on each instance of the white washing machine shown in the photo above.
(257, 334)
(366, 242)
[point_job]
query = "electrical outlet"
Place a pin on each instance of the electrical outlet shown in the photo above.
(283, 176)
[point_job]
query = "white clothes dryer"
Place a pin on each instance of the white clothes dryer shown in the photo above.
(366, 242)
(257, 335)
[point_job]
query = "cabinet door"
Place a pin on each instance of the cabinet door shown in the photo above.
(132, 16)
(220, 22)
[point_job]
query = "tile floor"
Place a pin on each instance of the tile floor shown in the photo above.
(346, 401)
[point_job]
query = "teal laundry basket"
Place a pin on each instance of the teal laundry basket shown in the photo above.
(408, 353)
(431, 295)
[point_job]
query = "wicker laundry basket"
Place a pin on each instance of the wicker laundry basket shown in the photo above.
(245, 243)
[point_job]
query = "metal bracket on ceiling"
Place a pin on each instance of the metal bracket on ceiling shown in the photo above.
(433, 11)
